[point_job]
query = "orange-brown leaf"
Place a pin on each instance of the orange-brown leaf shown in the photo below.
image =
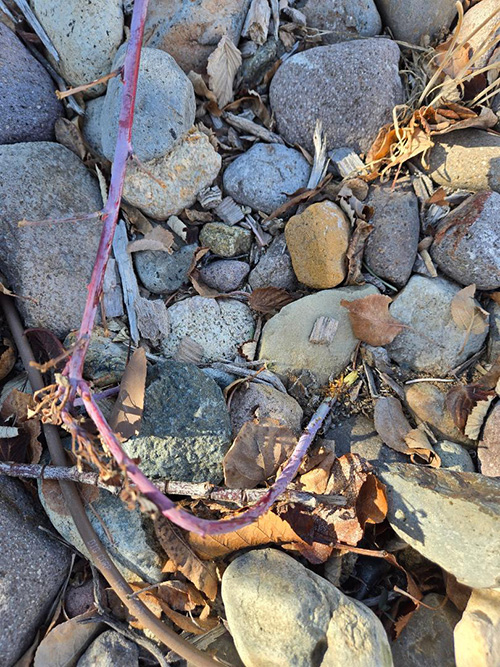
(371, 321)
(7, 357)
(269, 299)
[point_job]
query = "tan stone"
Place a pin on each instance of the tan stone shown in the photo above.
(477, 635)
(317, 240)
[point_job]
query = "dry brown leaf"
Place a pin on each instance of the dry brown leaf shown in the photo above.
(257, 452)
(256, 24)
(126, 416)
(176, 545)
(421, 448)
(486, 119)
(460, 57)
(269, 299)
(158, 238)
(8, 357)
(355, 252)
(371, 321)
(196, 625)
(68, 134)
(223, 63)
(194, 275)
(466, 313)
(180, 595)
(66, 642)
(200, 87)
(150, 600)
(391, 424)
(461, 402)
(25, 447)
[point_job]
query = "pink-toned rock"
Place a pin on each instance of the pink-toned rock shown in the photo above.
(488, 450)
(317, 240)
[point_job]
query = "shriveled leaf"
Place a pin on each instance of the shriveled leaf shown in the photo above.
(466, 402)
(152, 319)
(180, 595)
(421, 448)
(269, 299)
(257, 452)
(454, 61)
(8, 357)
(319, 467)
(466, 313)
(371, 506)
(223, 63)
(197, 625)
(68, 134)
(194, 275)
(200, 87)
(371, 321)
(126, 416)
(66, 642)
(256, 24)
(248, 350)
(158, 238)
(149, 599)
(178, 548)
(485, 120)
(355, 252)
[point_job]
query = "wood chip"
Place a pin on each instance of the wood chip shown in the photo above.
(323, 331)
(229, 211)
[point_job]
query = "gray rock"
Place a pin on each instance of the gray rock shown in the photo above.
(264, 176)
(105, 360)
(50, 263)
(225, 275)
(85, 35)
(190, 32)
(28, 105)
(432, 342)
(280, 613)
(494, 335)
(164, 108)
(274, 268)
(224, 240)
(285, 340)
(416, 18)
(451, 518)
(468, 159)
(428, 404)
(454, 456)
(467, 242)
(481, 25)
(222, 378)
(91, 128)
(185, 430)
(166, 185)
(219, 326)
(127, 535)
(477, 635)
(357, 435)
(33, 565)
(254, 67)
(351, 87)
(427, 639)
(110, 649)
(258, 401)
(488, 450)
(344, 20)
(160, 272)
(391, 248)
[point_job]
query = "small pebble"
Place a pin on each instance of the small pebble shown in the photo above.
(224, 240)
(161, 272)
(488, 450)
(225, 275)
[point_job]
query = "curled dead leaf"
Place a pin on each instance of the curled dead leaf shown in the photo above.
(8, 357)
(269, 300)
(158, 238)
(371, 321)
(466, 312)
(468, 405)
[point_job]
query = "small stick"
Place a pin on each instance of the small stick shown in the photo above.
(38, 28)
(61, 94)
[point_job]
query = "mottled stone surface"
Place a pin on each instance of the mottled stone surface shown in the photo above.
(110, 649)
(274, 268)
(488, 450)
(351, 87)
(28, 105)
(224, 240)
(342, 20)
(225, 275)
(259, 401)
(414, 19)
(161, 272)
(105, 360)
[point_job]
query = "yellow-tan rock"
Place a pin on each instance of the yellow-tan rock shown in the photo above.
(477, 635)
(317, 240)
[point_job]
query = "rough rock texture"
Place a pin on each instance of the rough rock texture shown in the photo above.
(33, 568)
(451, 518)
(454, 456)
(467, 243)
(263, 176)
(164, 110)
(488, 450)
(85, 35)
(160, 272)
(285, 337)
(317, 240)
(477, 635)
(54, 184)
(185, 428)
(224, 240)
(494, 335)
(219, 326)
(225, 275)
(258, 401)
(391, 248)
(105, 360)
(110, 649)
(416, 18)
(274, 268)
(433, 343)
(427, 639)
(428, 404)
(91, 127)
(468, 159)
(128, 537)
(281, 613)
(191, 31)
(475, 17)
(357, 435)
(351, 87)
(28, 105)
(347, 19)
(174, 179)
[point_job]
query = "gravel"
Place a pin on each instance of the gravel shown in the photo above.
(225, 275)
(162, 273)
(224, 240)
(274, 268)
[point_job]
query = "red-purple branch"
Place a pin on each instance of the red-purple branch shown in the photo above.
(74, 368)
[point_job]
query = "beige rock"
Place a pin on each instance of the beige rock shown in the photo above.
(477, 635)
(165, 185)
(261, 401)
(317, 240)
(428, 404)
(485, 12)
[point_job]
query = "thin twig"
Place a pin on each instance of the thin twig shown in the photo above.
(61, 94)
(38, 28)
